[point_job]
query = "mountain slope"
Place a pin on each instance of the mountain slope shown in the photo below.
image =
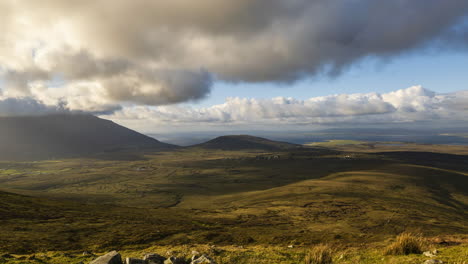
(55, 136)
(30, 224)
(244, 142)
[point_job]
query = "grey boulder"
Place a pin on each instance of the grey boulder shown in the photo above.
(174, 260)
(112, 257)
(154, 259)
(134, 261)
(203, 259)
(429, 254)
(433, 261)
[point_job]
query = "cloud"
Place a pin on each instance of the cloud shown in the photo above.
(406, 106)
(409, 105)
(163, 52)
(26, 106)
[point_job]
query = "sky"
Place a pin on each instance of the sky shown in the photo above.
(442, 72)
(222, 65)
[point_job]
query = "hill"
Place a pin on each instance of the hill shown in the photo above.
(58, 136)
(245, 142)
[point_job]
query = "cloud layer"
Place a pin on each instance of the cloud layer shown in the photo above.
(97, 55)
(409, 105)
(26, 106)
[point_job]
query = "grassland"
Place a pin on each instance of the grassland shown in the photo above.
(251, 204)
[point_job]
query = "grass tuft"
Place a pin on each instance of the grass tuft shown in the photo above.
(320, 254)
(405, 244)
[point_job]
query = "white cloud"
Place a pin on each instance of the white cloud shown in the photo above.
(409, 106)
(403, 106)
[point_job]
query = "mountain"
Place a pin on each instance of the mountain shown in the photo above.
(243, 142)
(67, 135)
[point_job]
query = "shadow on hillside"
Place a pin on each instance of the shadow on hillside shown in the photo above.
(432, 159)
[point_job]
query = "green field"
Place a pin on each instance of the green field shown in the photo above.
(251, 205)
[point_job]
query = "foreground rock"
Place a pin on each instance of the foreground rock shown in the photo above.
(174, 260)
(433, 261)
(203, 259)
(154, 259)
(134, 261)
(430, 253)
(115, 258)
(112, 257)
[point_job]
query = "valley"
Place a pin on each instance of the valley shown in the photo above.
(347, 195)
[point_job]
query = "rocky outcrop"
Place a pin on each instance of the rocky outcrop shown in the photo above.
(152, 258)
(112, 257)
(203, 259)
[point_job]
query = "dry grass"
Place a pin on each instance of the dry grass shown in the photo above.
(320, 254)
(405, 244)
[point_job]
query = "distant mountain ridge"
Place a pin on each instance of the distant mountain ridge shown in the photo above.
(67, 135)
(245, 142)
